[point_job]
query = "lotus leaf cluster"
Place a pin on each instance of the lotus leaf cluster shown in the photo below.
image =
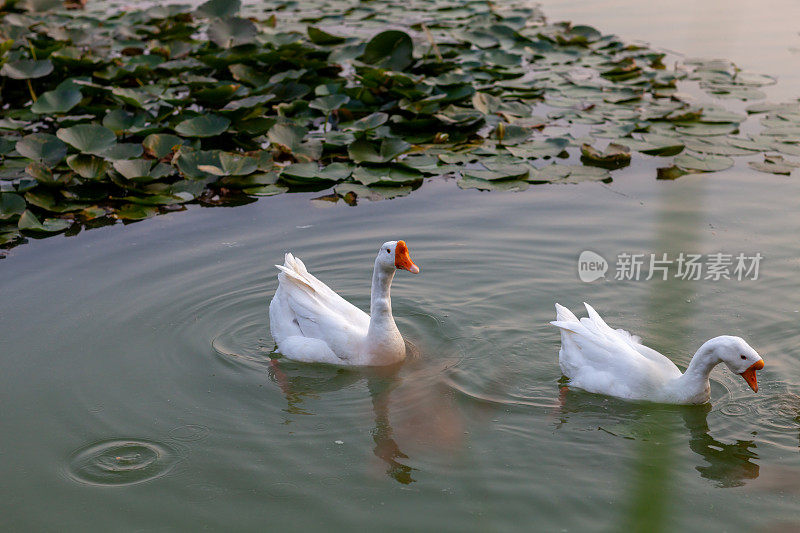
(122, 115)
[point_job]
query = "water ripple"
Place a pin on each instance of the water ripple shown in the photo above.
(117, 462)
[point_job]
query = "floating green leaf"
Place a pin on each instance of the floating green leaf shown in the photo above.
(25, 69)
(288, 137)
(391, 49)
(136, 211)
(42, 147)
(88, 166)
(321, 37)
(670, 173)
(11, 205)
(160, 145)
(219, 8)
(203, 126)
(29, 222)
(538, 149)
(469, 182)
(134, 169)
(774, 164)
(370, 122)
(57, 101)
(352, 192)
(231, 165)
(87, 138)
(329, 103)
(120, 121)
(265, 190)
(703, 163)
(386, 175)
(363, 151)
(121, 151)
(614, 156)
(232, 31)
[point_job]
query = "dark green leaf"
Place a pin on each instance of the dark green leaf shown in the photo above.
(57, 101)
(391, 50)
(87, 138)
(42, 147)
(203, 126)
(25, 69)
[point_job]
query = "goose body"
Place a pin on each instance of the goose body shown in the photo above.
(311, 323)
(600, 359)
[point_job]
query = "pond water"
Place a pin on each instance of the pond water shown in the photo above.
(138, 390)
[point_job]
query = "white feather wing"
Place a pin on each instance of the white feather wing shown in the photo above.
(305, 306)
(600, 359)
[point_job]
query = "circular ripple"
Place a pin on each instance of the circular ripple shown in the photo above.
(735, 409)
(118, 462)
(190, 432)
(243, 341)
(780, 412)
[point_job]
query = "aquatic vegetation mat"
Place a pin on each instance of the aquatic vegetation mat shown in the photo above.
(115, 115)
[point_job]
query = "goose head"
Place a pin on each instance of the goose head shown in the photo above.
(394, 255)
(738, 356)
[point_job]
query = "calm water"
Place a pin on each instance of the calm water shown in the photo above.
(138, 391)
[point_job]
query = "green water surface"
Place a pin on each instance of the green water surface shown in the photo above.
(138, 390)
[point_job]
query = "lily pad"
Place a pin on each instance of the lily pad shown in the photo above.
(231, 165)
(774, 164)
(57, 101)
(614, 156)
(87, 138)
(25, 69)
(88, 166)
(160, 145)
(363, 151)
(134, 169)
(391, 49)
(121, 151)
(386, 175)
(232, 31)
(670, 173)
(136, 212)
(266, 190)
(120, 121)
(219, 8)
(352, 192)
(304, 173)
(11, 205)
(322, 37)
(29, 222)
(42, 147)
(288, 137)
(329, 103)
(703, 163)
(203, 126)
(707, 129)
(469, 182)
(550, 147)
(189, 161)
(651, 144)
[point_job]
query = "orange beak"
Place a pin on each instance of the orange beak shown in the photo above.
(749, 375)
(403, 260)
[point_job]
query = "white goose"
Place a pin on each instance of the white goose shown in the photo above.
(312, 324)
(609, 361)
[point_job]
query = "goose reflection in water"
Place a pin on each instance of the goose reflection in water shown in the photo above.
(730, 465)
(422, 419)
(726, 464)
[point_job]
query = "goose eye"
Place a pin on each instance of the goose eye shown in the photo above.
(743, 357)
(388, 250)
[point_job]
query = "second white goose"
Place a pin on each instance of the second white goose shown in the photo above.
(609, 361)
